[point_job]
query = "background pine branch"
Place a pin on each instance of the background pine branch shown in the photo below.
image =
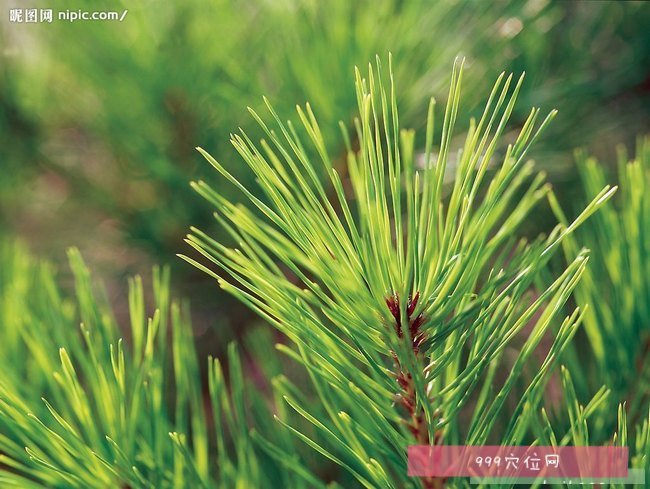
(98, 406)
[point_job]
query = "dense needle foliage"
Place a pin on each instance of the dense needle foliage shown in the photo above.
(84, 403)
(617, 287)
(400, 295)
(409, 309)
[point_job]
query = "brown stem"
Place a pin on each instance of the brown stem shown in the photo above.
(414, 417)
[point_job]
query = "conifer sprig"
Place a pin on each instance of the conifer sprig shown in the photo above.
(84, 408)
(617, 285)
(400, 295)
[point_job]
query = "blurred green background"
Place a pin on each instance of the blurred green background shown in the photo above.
(99, 119)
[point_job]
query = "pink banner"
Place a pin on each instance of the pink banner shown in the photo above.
(517, 461)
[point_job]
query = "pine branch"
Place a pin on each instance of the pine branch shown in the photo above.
(617, 289)
(403, 294)
(84, 408)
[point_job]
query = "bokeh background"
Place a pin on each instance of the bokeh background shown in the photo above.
(99, 119)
